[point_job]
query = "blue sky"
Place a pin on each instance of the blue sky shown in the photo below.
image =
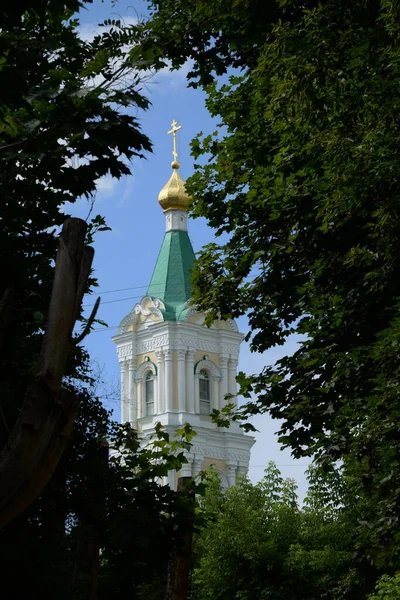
(125, 257)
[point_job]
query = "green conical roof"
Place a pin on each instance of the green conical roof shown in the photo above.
(170, 281)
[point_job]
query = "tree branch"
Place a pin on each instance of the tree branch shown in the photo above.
(89, 323)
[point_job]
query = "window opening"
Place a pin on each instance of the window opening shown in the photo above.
(149, 394)
(204, 389)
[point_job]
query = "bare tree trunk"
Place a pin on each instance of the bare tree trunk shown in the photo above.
(40, 434)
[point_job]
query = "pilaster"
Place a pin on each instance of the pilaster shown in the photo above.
(124, 394)
(186, 469)
(223, 365)
(197, 465)
(242, 470)
(160, 408)
(131, 392)
(139, 408)
(215, 403)
(231, 473)
(190, 400)
(232, 366)
(169, 383)
(181, 380)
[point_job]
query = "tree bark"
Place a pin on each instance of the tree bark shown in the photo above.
(40, 434)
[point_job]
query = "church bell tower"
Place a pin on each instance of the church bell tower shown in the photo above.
(174, 369)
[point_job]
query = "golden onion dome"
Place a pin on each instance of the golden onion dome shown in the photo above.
(174, 196)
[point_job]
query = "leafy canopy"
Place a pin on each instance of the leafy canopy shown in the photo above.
(302, 178)
(256, 542)
(64, 123)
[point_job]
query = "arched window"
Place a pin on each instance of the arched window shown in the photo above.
(149, 394)
(204, 392)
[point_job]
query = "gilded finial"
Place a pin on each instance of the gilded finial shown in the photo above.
(173, 196)
(174, 128)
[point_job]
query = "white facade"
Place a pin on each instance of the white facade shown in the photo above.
(172, 355)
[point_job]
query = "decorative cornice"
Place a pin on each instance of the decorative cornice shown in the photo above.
(221, 453)
(153, 344)
(125, 353)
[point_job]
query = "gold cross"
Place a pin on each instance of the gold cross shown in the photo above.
(173, 131)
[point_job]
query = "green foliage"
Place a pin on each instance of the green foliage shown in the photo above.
(388, 588)
(63, 124)
(302, 178)
(66, 120)
(257, 543)
(121, 507)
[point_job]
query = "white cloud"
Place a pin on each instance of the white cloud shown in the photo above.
(127, 193)
(163, 81)
(167, 79)
(106, 185)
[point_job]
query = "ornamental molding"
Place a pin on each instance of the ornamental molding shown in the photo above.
(153, 344)
(221, 453)
(125, 353)
(209, 366)
(141, 311)
(208, 346)
(232, 325)
(191, 341)
(147, 306)
(215, 452)
(193, 311)
(238, 455)
(198, 449)
(230, 349)
(147, 365)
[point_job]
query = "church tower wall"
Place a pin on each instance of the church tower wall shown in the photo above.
(174, 369)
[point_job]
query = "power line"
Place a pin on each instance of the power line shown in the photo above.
(291, 465)
(136, 287)
(121, 299)
(113, 301)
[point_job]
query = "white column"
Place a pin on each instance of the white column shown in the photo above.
(160, 382)
(231, 474)
(186, 469)
(124, 395)
(197, 464)
(223, 363)
(196, 394)
(215, 394)
(190, 381)
(171, 479)
(242, 470)
(139, 399)
(232, 365)
(181, 380)
(131, 392)
(169, 380)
